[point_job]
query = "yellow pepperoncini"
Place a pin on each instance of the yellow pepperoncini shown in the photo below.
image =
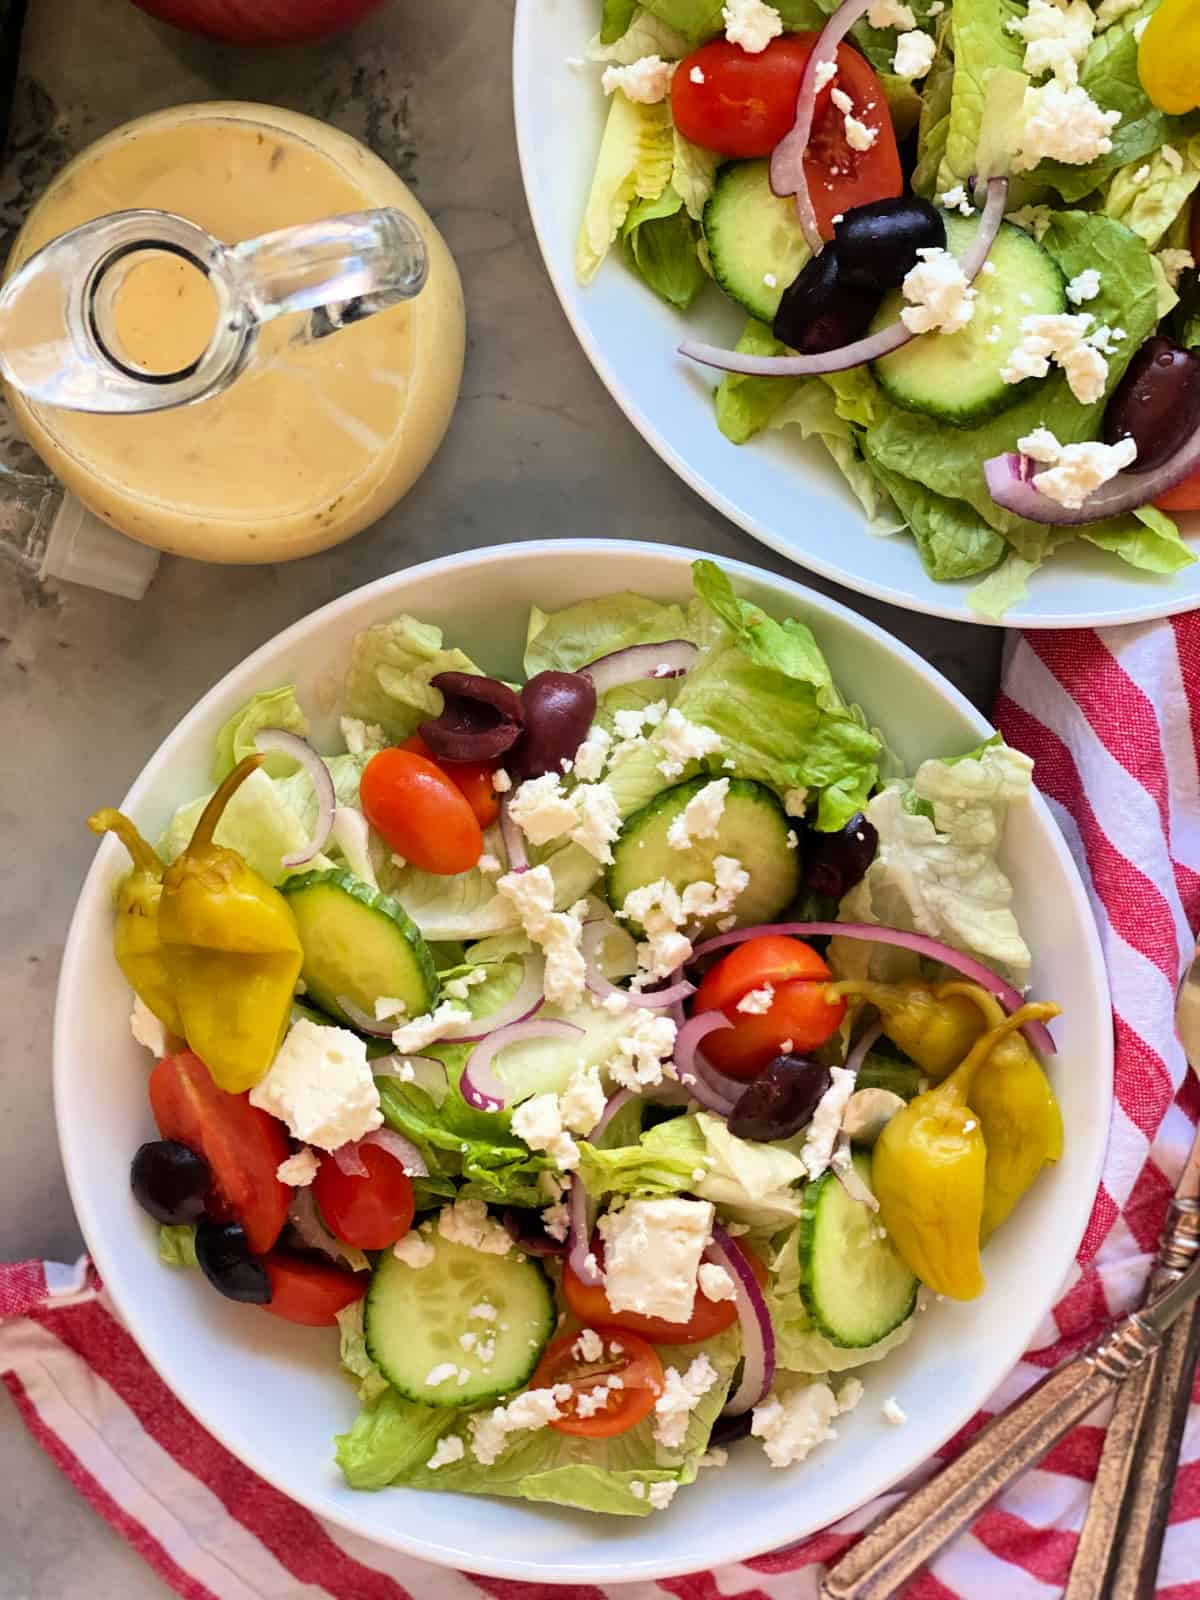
(1017, 1111)
(933, 1028)
(1168, 58)
(929, 1172)
(231, 948)
(136, 943)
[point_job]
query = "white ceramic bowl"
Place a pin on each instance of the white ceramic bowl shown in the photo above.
(272, 1393)
(780, 489)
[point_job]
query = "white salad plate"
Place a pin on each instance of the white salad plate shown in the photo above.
(273, 1393)
(783, 490)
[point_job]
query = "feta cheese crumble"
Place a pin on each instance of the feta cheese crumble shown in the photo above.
(758, 1002)
(646, 81)
(501, 782)
(541, 809)
(1080, 469)
(826, 1121)
(1084, 286)
(914, 54)
(652, 1251)
(940, 296)
(642, 1051)
(147, 1029)
(826, 72)
(536, 1408)
(715, 1282)
(414, 1250)
(321, 1085)
(697, 74)
(682, 1393)
(592, 755)
(684, 741)
(467, 1222)
(858, 135)
(583, 1100)
(298, 1171)
(1062, 123)
(701, 817)
(956, 199)
(539, 1122)
(589, 1346)
(436, 1376)
(751, 24)
(360, 737)
(459, 988)
(892, 1411)
(891, 14)
(1056, 37)
(447, 1450)
(791, 1427)
(1062, 338)
(412, 1037)
(557, 933)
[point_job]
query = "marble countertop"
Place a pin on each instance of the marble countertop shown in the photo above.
(90, 684)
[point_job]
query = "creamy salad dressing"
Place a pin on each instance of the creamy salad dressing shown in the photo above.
(313, 442)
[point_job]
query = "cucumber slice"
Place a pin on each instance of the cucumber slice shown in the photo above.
(414, 1317)
(854, 1285)
(358, 943)
(956, 376)
(753, 236)
(753, 829)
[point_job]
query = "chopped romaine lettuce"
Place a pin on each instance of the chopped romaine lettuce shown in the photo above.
(177, 1245)
(258, 822)
(371, 1382)
(660, 237)
(271, 708)
(391, 665)
(636, 156)
(798, 1345)
(1147, 196)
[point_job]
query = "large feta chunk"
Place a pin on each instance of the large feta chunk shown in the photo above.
(914, 54)
(542, 810)
(539, 1122)
(644, 1048)
(940, 296)
(1056, 37)
(321, 1085)
(682, 1393)
(652, 1251)
(751, 23)
(1062, 123)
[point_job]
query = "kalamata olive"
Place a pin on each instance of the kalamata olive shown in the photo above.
(481, 718)
(169, 1181)
(835, 862)
(559, 707)
(877, 244)
(1156, 403)
(226, 1262)
(781, 1100)
(820, 311)
(728, 1430)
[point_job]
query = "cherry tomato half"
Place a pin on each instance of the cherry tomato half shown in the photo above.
(369, 1212)
(800, 1010)
(743, 105)
(242, 1145)
(310, 1292)
(474, 778)
(420, 813)
(709, 1317)
(626, 1356)
(1184, 496)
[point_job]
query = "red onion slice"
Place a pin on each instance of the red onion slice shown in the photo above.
(1036, 1032)
(1010, 483)
(579, 1237)
(702, 1080)
(618, 1101)
(400, 1149)
(637, 661)
(594, 935)
(364, 1022)
(758, 1334)
(349, 1163)
(858, 1054)
(529, 998)
(479, 1085)
(424, 1072)
(291, 744)
(303, 1216)
(874, 345)
(787, 160)
(514, 840)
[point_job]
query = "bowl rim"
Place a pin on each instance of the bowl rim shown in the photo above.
(619, 1567)
(858, 580)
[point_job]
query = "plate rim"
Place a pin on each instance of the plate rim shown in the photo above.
(619, 1567)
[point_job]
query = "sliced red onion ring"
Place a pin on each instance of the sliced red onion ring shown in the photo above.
(702, 1080)
(862, 350)
(351, 834)
(787, 160)
(579, 1237)
(669, 660)
(1010, 483)
(514, 840)
(364, 1022)
(862, 1045)
(425, 1072)
(303, 1216)
(594, 935)
(479, 1085)
(291, 744)
(349, 1163)
(1036, 1032)
(758, 1335)
(619, 1100)
(529, 998)
(400, 1149)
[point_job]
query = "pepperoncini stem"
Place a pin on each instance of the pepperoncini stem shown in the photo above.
(993, 1012)
(1035, 1011)
(211, 816)
(145, 858)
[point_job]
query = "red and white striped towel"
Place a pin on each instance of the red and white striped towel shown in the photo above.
(1113, 721)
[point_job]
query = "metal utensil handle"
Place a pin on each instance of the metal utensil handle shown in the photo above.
(1136, 1558)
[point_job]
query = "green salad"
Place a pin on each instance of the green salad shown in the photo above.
(962, 235)
(613, 1056)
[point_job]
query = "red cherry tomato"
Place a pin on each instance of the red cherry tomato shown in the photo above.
(800, 1009)
(743, 105)
(631, 1358)
(310, 1292)
(369, 1213)
(242, 1145)
(420, 813)
(474, 778)
(1185, 496)
(709, 1317)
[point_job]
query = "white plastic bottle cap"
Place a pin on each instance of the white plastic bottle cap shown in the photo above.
(82, 549)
